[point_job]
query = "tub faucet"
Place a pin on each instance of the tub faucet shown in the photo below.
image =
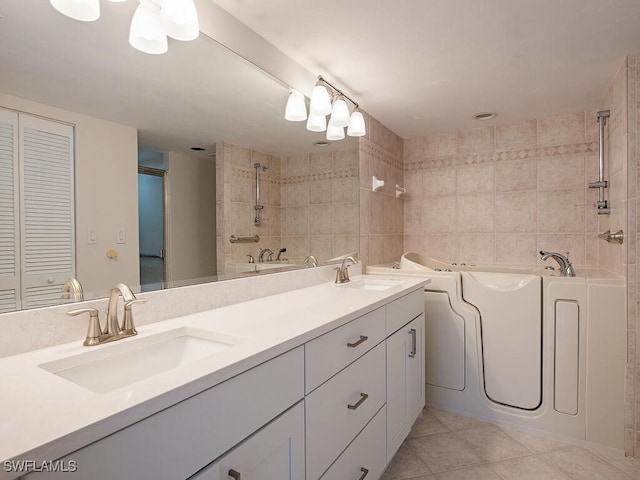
(566, 269)
(342, 276)
(268, 251)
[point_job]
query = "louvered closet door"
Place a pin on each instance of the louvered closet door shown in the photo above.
(47, 209)
(9, 218)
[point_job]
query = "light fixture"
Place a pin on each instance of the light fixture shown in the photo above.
(334, 132)
(152, 21)
(180, 19)
(296, 109)
(146, 33)
(356, 125)
(83, 10)
(322, 96)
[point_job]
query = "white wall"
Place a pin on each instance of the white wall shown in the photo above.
(106, 193)
(191, 222)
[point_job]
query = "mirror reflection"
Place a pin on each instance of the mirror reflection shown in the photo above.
(144, 208)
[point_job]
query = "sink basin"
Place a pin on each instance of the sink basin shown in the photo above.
(372, 284)
(119, 365)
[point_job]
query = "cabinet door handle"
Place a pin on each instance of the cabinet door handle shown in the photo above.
(363, 338)
(234, 474)
(363, 397)
(413, 332)
(365, 472)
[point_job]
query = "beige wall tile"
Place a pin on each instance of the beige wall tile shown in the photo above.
(321, 246)
(439, 215)
(321, 219)
(557, 211)
(562, 129)
(439, 182)
(320, 191)
(560, 173)
(345, 244)
(345, 190)
(413, 216)
(480, 248)
(441, 247)
(414, 243)
(295, 195)
(516, 249)
(516, 175)
(412, 181)
(475, 213)
(414, 149)
(476, 179)
(296, 166)
(517, 135)
(345, 219)
(477, 140)
(345, 159)
(440, 144)
(516, 212)
(320, 162)
(296, 221)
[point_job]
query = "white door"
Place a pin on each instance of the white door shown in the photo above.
(46, 152)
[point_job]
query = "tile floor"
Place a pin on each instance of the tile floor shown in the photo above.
(446, 446)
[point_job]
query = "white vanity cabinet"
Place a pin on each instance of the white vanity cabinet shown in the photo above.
(176, 443)
(274, 452)
(405, 369)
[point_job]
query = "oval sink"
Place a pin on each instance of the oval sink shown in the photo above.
(119, 365)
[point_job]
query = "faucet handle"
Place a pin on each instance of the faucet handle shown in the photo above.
(128, 327)
(94, 332)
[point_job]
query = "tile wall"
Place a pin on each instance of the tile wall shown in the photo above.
(310, 203)
(499, 194)
(381, 213)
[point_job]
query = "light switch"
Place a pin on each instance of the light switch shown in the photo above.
(120, 236)
(92, 236)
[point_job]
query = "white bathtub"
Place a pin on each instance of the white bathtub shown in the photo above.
(524, 347)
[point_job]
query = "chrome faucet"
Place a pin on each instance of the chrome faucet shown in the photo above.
(311, 260)
(566, 269)
(342, 275)
(280, 252)
(113, 330)
(262, 252)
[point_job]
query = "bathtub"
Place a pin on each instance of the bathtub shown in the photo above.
(521, 346)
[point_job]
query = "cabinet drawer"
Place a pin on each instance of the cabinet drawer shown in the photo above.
(179, 441)
(339, 409)
(365, 457)
(328, 354)
(404, 309)
(276, 451)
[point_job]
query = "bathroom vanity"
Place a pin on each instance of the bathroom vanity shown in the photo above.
(322, 382)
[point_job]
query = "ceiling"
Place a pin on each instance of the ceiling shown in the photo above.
(425, 66)
(197, 94)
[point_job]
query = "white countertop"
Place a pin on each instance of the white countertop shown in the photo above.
(45, 417)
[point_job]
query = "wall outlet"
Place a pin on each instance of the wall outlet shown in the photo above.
(121, 236)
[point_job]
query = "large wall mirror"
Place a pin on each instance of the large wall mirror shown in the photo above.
(148, 210)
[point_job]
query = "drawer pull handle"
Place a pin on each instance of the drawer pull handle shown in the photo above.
(234, 474)
(363, 397)
(412, 332)
(363, 338)
(365, 472)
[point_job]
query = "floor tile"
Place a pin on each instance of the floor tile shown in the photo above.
(492, 444)
(527, 468)
(406, 464)
(473, 473)
(428, 424)
(629, 465)
(443, 451)
(579, 464)
(537, 442)
(453, 421)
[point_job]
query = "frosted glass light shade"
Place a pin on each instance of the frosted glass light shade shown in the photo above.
(180, 19)
(340, 113)
(147, 34)
(320, 101)
(83, 10)
(334, 132)
(296, 109)
(356, 125)
(316, 123)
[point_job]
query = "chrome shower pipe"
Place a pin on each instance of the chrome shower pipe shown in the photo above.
(601, 184)
(257, 220)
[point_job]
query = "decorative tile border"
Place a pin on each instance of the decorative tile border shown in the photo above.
(312, 177)
(450, 161)
(379, 153)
